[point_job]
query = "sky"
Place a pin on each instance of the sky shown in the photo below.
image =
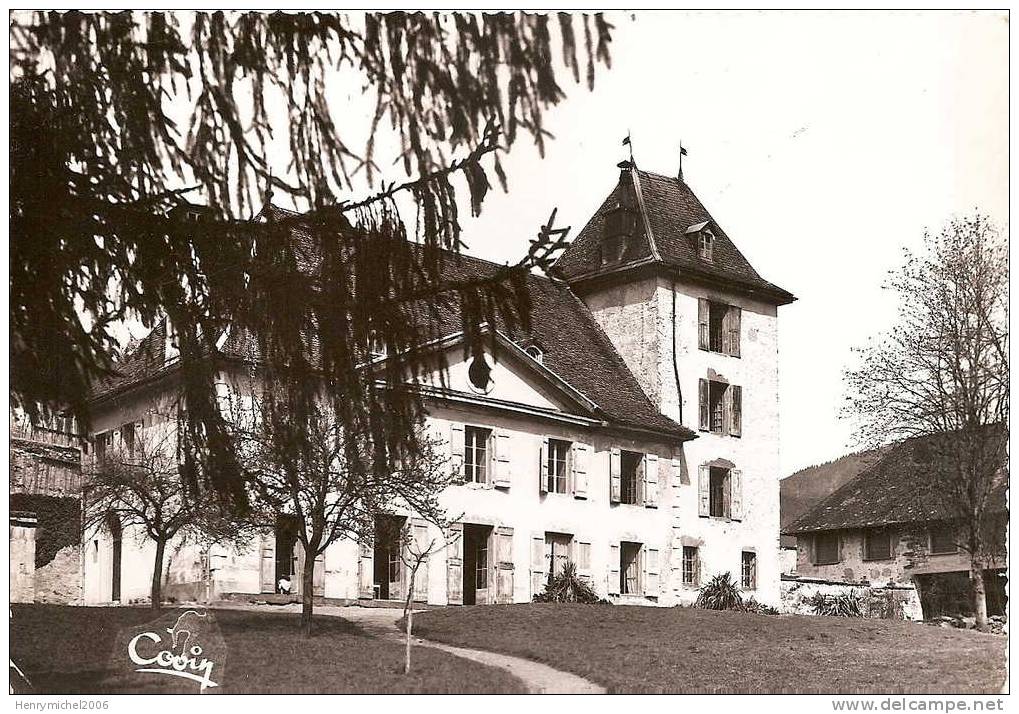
(822, 143)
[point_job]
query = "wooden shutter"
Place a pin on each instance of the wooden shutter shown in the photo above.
(504, 564)
(704, 421)
(736, 494)
(538, 575)
(736, 411)
(318, 576)
(268, 563)
(419, 534)
(703, 315)
(651, 480)
(726, 331)
(651, 571)
(365, 571)
(455, 564)
(613, 571)
(584, 561)
(615, 474)
(502, 476)
(456, 448)
(734, 315)
(579, 460)
(543, 467)
(704, 491)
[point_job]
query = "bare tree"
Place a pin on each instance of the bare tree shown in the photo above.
(138, 481)
(301, 464)
(941, 373)
(414, 554)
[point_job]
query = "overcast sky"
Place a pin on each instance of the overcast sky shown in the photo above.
(823, 143)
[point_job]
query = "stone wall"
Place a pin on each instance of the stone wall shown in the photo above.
(22, 554)
(891, 602)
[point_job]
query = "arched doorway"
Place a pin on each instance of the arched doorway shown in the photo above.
(116, 535)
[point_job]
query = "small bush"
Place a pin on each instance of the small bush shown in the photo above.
(567, 587)
(759, 608)
(844, 604)
(720, 593)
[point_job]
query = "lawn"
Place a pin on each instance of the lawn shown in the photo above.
(644, 649)
(66, 650)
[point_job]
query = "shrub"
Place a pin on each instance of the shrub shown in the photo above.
(720, 593)
(844, 604)
(759, 608)
(567, 587)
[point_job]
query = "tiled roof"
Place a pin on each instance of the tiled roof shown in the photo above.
(573, 345)
(889, 491)
(668, 207)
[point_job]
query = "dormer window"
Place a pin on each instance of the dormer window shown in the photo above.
(612, 250)
(702, 233)
(535, 353)
(618, 226)
(171, 345)
(706, 241)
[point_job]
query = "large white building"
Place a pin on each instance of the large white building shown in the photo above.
(633, 430)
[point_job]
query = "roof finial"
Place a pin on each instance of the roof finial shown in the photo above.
(682, 153)
(629, 143)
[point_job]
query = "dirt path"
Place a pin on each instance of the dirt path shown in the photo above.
(381, 622)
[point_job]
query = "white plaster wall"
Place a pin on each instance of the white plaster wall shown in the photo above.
(625, 313)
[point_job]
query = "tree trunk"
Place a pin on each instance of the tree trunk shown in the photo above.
(307, 594)
(409, 615)
(976, 579)
(156, 591)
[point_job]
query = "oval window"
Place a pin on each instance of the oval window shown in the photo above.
(480, 374)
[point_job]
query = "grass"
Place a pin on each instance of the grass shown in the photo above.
(644, 649)
(66, 650)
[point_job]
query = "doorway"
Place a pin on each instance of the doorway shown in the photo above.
(476, 567)
(388, 564)
(286, 539)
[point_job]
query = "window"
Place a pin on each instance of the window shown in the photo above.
(721, 407)
(557, 552)
(749, 570)
(719, 493)
(629, 568)
(376, 346)
(943, 539)
(558, 453)
(718, 327)
(631, 465)
(691, 566)
(612, 250)
(476, 454)
(826, 549)
(480, 374)
(877, 544)
(705, 242)
(103, 441)
(535, 353)
(481, 564)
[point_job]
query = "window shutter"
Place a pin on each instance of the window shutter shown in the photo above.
(538, 575)
(702, 393)
(704, 491)
(584, 561)
(613, 573)
(318, 576)
(736, 411)
(268, 564)
(421, 543)
(651, 480)
(580, 457)
(365, 571)
(651, 570)
(735, 318)
(615, 473)
(504, 564)
(455, 564)
(703, 312)
(543, 467)
(736, 494)
(726, 330)
(502, 477)
(456, 447)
